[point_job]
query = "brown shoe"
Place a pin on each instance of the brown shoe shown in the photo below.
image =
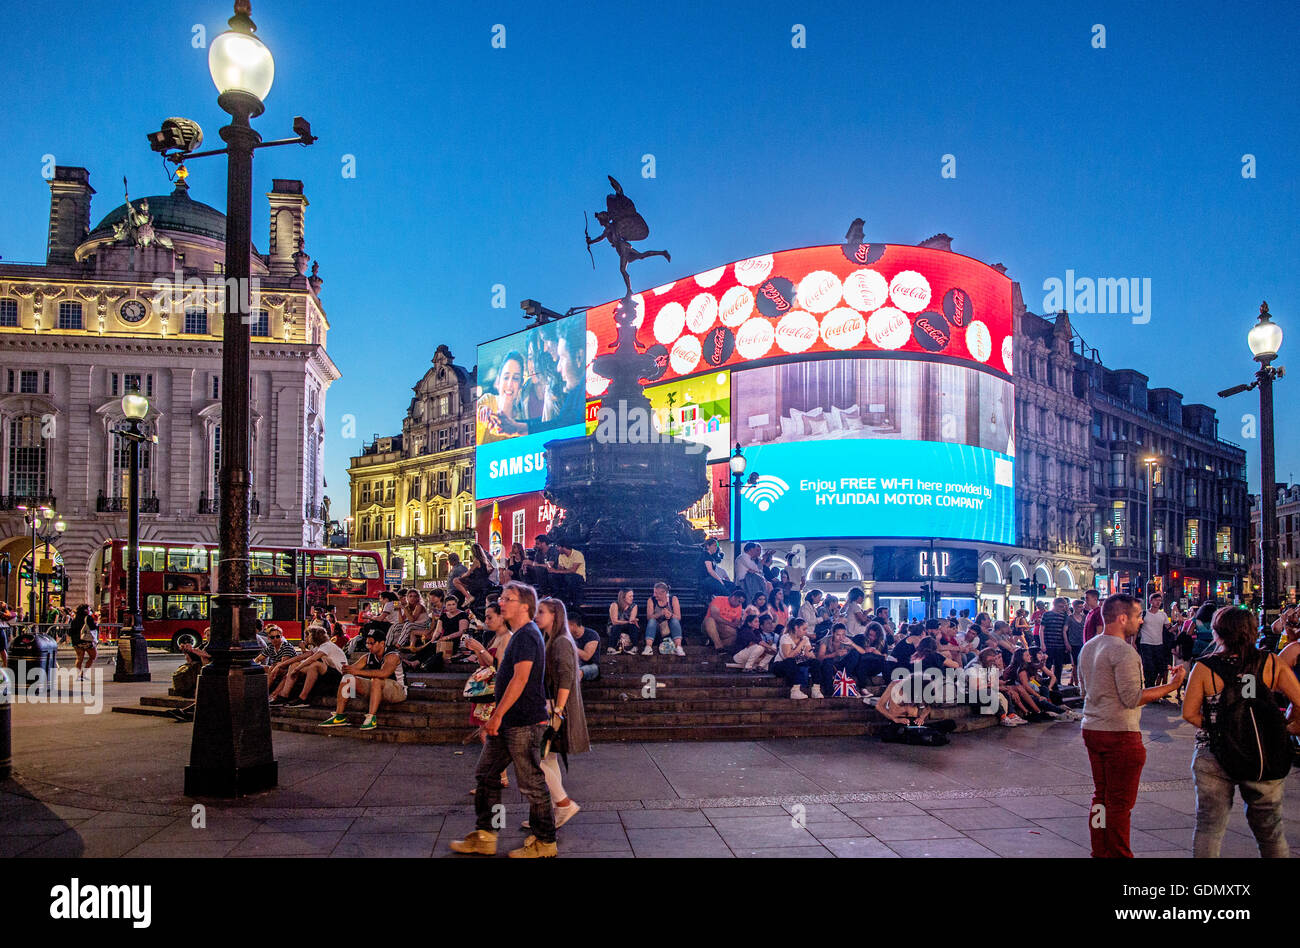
(479, 842)
(533, 848)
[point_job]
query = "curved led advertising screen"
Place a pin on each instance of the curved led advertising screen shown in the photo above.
(889, 299)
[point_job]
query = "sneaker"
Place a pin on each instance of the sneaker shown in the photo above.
(1055, 716)
(648, 650)
(736, 665)
(334, 720)
(296, 703)
(1071, 716)
(370, 723)
(480, 842)
(565, 813)
(1013, 720)
(612, 651)
(277, 702)
(797, 694)
(747, 668)
(679, 651)
(817, 691)
(533, 848)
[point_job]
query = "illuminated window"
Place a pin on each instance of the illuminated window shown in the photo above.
(27, 457)
(517, 527)
(196, 321)
(261, 323)
(1193, 535)
(70, 316)
(1223, 543)
(9, 313)
(1119, 521)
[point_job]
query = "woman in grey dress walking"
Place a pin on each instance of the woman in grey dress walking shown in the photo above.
(564, 690)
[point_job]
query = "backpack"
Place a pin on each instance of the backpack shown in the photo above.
(1248, 736)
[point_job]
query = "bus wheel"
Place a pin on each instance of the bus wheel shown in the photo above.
(185, 637)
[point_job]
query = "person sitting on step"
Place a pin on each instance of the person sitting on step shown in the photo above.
(623, 627)
(378, 676)
(321, 668)
(663, 613)
(901, 704)
(723, 619)
(797, 663)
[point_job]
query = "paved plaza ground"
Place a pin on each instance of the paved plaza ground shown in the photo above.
(110, 785)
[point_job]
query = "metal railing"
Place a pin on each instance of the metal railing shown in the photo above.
(213, 506)
(14, 501)
(122, 505)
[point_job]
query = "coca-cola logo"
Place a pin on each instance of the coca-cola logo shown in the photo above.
(736, 306)
(754, 339)
(685, 355)
(796, 332)
(863, 253)
(978, 341)
(910, 291)
(866, 290)
(820, 291)
(889, 328)
(754, 270)
(719, 344)
(702, 312)
(659, 353)
(775, 297)
(596, 383)
(957, 308)
(843, 328)
(931, 331)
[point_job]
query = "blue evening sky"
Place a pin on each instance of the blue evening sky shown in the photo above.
(474, 164)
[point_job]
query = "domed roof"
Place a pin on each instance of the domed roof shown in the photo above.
(171, 212)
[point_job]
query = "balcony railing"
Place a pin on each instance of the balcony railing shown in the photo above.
(122, 505)
(30, 501)
(315, 512)
(213, 506)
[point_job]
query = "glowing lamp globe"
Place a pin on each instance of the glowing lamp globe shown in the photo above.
(135, 406)
(240, 62)
(1265, 339)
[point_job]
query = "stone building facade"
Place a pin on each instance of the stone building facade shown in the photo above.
(135, 303)
(412, 494)
(1288, 544)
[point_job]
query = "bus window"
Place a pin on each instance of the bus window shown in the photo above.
(283, 564)
(329, 564)
(187, 607)
(263, 606)
(152, 559)
(260, 564)
(364, 567)
(284, 608)
(153, 607)
(187, 560)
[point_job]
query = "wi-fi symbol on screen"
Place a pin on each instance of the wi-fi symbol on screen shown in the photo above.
(765, 491)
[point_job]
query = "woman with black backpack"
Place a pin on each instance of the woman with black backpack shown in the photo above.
(1241, 738)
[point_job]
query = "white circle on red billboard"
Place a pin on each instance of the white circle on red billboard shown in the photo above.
(910, 291)
(819, 291)
(701, 313)
(978, 341)
(753, 271)
(669, 323)
(889, 328)
(843, 328)
(797, 331)
(596, 383)
(592, 343)
(1007, 355)
(754, 339)
(735, 306)
(685, 355)
(866, 290)
(639, 302)
(710, 277)
(661, 290)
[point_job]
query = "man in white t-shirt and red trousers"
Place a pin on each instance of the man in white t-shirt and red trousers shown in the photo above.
(1151, 643)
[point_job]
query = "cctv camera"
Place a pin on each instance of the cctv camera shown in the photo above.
(180, 134)
(302, 128)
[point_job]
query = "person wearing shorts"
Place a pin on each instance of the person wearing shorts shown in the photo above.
(84, 632)
(378, 676)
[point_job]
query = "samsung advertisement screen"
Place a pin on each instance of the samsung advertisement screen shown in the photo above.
(531, 391)
(871, 447)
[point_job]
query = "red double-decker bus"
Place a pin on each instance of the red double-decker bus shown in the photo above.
(177, 580)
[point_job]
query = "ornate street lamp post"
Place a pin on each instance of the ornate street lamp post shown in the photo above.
(132, 650)
(737, 481)
(231, 753)
(1150, 461)
(1265, 339)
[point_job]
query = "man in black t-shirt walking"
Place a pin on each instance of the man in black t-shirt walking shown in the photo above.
(1055, 641)
(514, 735)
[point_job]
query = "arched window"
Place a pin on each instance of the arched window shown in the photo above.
(28, 461)
(120, 450)
(214, 486)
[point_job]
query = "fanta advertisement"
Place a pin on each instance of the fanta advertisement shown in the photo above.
(836, 299)
(878, 489)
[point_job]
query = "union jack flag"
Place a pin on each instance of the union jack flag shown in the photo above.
(845, 686)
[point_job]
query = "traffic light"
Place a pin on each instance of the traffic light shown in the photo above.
(1027, 587)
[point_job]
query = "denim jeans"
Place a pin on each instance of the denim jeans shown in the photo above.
(652, 630)
(521, 746)
(1214, 791)
(1155, 663)
(589, 671)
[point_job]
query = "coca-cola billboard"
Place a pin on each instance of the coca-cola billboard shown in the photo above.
(796, 303)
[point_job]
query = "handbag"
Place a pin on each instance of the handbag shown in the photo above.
(481, 686)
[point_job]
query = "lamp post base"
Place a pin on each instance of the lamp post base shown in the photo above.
(132, 658)
(231, 752)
